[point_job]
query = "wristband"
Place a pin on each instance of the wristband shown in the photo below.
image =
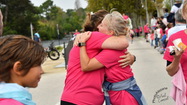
(81, 44)
(134, 58)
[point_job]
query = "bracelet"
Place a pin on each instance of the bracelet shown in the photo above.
(134, 58)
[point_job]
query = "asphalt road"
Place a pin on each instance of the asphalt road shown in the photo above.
(149, 72)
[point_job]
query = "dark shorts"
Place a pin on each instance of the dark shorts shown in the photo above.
(132, 36)
(140, 32)
(66, 103)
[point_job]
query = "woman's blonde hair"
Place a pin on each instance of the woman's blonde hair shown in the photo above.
(184, 7)
(116, 23)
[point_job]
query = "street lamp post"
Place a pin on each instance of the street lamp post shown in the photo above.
(31, 31)
(58, 34)
(147, 15)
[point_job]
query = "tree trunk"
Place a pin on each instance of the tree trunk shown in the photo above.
(1, 23)
(134, 20)
(159, 10)
(6, 15)
(150, 16)
(142, 23)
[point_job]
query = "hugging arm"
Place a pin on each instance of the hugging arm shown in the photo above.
(114, 42)
(120, 43)
(88, 64)
(127, 59)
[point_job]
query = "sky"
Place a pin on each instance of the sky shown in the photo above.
(64, 4)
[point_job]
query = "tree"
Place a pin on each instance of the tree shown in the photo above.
(77, 4)
(159, 5)
(167, 4)
(19, 16)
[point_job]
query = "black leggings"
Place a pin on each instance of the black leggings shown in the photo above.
(66, 103)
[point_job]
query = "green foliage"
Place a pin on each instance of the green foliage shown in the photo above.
(43, 18)
(167, 4)
(123, 6)
(8, 31)
(59, 48)
(20, 14)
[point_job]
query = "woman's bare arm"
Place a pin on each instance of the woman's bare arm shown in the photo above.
(174, 66)
(115, 42)
(88, 64)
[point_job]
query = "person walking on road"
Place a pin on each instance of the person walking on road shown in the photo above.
(37, 37)
(140, 31)
(137, 32)
(146, 31)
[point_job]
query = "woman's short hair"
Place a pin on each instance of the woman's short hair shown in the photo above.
(116, 23)
(15, 48)
(93, 20)
(178, 16)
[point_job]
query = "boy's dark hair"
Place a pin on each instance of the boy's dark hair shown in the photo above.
(164, 31)
(93, 20)
(162, 17)
(166, 10)
(15, 48)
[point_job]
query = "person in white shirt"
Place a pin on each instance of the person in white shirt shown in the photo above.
(158, 36)
(153, 23)
(180, 23)
(175, 8)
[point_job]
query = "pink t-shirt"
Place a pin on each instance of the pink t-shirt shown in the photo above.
(84, 88)
(76, 33)
(114, 73)
(152, 36)
(183, 61)
(161, 32)
(4, 101)
(137, 30)
(146, 29)
(167, 32)
(140, 29)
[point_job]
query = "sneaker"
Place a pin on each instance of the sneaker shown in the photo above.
(162, 52)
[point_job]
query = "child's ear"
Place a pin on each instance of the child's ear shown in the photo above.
(17, 68)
